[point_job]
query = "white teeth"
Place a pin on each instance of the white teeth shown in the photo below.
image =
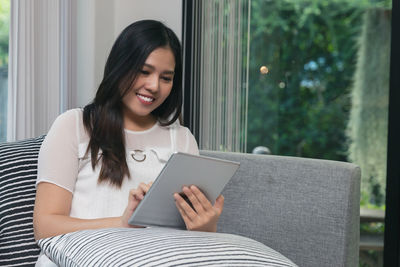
(145, 98)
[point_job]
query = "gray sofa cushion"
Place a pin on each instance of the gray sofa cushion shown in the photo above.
(306, 209)
(18, 170)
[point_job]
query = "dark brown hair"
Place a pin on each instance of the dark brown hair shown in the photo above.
(103, 118)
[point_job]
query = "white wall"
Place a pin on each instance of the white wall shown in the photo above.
(166, 11)
(85, 52)
(99, 22)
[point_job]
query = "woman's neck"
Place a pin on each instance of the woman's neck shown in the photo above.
(138, 123)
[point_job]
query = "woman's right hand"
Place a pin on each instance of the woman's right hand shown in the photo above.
(135, 196)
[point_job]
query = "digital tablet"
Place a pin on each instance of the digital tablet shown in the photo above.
(158, 208)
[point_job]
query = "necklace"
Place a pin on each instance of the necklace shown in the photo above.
(138, 155)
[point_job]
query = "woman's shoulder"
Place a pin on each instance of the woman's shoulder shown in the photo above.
(178, 127)
(71, 116)
(70, 122)
(185, 140)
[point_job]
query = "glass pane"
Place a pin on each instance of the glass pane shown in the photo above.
(318, 88)
(4, 29)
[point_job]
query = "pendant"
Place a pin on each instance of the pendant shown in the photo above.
(138, 155)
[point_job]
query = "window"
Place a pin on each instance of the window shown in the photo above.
(318, 87)
(219, 83)
(4, 29)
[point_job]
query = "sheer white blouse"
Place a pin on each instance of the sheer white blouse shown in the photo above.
(62, 162)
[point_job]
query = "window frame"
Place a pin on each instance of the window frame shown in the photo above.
(392, 217)
(191, 117)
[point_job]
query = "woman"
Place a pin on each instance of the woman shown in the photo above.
(96, 164)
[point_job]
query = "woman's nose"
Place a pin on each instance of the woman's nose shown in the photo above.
(152, 83)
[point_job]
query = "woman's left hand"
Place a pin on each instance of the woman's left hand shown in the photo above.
(203, 216)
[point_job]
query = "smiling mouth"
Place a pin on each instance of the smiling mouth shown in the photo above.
(145, 99)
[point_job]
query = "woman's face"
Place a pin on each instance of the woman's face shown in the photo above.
(151, 87)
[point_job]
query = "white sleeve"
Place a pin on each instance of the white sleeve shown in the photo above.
(58, 155)
(186, 141)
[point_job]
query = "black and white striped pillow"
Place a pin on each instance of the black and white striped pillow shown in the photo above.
(158, 247)
(18, 170)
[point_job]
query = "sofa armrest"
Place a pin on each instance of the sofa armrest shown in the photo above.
(306, 209)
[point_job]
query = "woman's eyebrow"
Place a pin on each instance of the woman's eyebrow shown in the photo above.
(164, 72)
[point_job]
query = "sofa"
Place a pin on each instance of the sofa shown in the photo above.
(304, 209)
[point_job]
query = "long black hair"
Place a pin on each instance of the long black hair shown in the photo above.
(103, 118)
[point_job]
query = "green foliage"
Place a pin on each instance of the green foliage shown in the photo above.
(302, 106)
(367, 128)
(4, 29)
(372, 228)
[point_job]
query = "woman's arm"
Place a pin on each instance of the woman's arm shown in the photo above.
(53, 205)
(51, 213)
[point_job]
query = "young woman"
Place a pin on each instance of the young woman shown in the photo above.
(96, 164)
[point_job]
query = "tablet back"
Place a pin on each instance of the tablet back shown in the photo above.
(158, 208)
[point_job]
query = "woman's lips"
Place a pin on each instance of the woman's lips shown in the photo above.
(147, 100)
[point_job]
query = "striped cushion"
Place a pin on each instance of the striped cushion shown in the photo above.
(18, 169)
(158, 247)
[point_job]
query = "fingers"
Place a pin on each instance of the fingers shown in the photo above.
(201, 205)
(219, 204)
(145, 187)
(140, 191)
(197, 198)
(184, 208)
(201, 197)
(194, 200)
(203, 216)
(135, 196)
(185, 217)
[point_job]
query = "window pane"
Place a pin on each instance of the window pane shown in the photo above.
(4, 29)
(318, 88)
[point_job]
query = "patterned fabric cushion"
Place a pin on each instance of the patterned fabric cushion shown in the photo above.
(18, 169)
(158, 247)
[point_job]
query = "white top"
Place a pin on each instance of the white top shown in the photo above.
(62, 162)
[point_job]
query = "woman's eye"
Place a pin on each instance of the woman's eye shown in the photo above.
(167, 79)
(145, 72)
